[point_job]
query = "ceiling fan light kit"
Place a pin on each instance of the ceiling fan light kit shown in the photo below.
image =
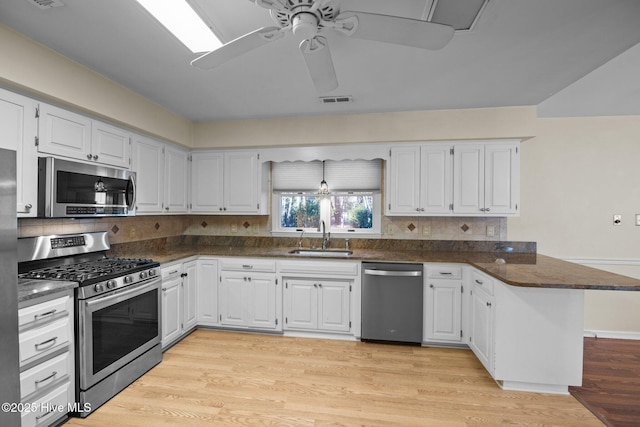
(309, 19)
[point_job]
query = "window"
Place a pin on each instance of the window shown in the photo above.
(352, 206)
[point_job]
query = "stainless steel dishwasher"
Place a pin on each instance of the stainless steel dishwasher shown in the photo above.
(392, 302)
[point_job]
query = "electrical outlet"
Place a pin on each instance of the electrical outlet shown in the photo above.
(234, 228)
(491, 230)
(617, 220)
(638, 219)
(426, 230)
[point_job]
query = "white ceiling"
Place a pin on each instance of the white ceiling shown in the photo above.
(521, 52)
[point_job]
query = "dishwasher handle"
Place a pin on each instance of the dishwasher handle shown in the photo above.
(392, 273)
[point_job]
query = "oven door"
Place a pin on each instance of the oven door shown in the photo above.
(116, 328)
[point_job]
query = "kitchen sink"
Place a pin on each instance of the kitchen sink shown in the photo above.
(322, 252)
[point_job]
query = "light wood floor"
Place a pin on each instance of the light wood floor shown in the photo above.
(227, 378)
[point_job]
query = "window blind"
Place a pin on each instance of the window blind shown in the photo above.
(342, 175)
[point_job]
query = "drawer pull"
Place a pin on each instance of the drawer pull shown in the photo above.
(47, 314)
(479, 282)
(247, 266)
(446, 273)
(53, 374)
(41, 416)
(47, 344)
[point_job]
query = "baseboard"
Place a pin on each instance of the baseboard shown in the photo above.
(618, 335)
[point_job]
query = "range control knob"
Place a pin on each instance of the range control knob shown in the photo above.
(98, 287)
(152, 272)
(127, 279)
(111, 284)
(143, 274)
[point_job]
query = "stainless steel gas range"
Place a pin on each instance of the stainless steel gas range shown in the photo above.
(117, 309)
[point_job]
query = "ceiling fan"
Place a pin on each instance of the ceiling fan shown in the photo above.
(309, 19)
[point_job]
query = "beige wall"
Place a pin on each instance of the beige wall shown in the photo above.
(30, 67)
(576, 172)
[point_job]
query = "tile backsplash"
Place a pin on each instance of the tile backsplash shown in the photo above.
(144, 227)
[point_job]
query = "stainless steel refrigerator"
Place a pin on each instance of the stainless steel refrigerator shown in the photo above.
(9, 352)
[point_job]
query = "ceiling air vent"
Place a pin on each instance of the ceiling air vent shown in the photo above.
(46, 4)
(336, 99)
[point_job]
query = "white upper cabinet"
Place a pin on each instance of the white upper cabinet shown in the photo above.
(18, 126)
(419, 180)
(486, 178)
(162, 172)
(68, 134)
(110, 145)
(226, 181)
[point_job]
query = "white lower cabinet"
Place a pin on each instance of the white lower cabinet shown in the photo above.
(482, 319)
(317, 304)
(207, 292)
(318, 295)
(443, 304)
(528, 339)
(47, 363)
(249, 295)
(178, 300)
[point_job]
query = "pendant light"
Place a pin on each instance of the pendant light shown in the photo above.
(324, 187)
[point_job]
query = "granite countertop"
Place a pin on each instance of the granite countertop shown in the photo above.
(518, 269)
(36, 288)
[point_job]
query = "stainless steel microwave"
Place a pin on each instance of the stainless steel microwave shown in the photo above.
(78, 190)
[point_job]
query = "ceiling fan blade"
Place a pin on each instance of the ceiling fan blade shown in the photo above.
(318, 58)
(238, 47)
(396, 30)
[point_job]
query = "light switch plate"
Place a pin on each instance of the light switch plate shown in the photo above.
(638, 219)
(491, 230)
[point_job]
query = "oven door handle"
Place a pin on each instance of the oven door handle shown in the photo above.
(122, 295)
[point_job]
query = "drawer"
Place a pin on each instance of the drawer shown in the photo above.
(482, 281)
(444, 272)
(42, 376)
(321, 268)
(49, 407)
(38, 341)
(266, 265)
(43, 311)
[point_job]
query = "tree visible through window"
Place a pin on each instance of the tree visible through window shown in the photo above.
(339, 211)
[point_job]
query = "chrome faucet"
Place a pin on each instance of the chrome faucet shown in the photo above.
(300, 241)
(325, 236)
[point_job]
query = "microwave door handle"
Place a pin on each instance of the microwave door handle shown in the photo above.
(131, 204)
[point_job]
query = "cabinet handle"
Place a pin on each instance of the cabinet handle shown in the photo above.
(224, 209)
(249, 279)
(47, 314)
(89, 156)
(247, 266)
(319, 285)
(53, 374)
(220, 208)
(95, 157)
(49, 343)
(488, 304)
(446, 273)
(167, 208)
(164, 289)
(39, 417)
(431, 286)
(28, 207)
(315, 285)
(479, 282)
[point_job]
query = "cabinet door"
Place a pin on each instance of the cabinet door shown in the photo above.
(189, 284)
(207, 175)
(301, 304)
(18, 126)
(502, 172)
(435, 179)
(468, 178)
(110, 145)
(207, 292)
(443, 310)
(241, 181)
(261, 301)
(334, 306)
(64, 133)
(233, 292)
(149, 167)
(481, 336)
(175, 179)
(171, 315)
(403, 189)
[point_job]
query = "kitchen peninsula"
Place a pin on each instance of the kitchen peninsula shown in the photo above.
(520, 312)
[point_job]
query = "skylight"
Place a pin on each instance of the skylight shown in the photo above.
(184, 23)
